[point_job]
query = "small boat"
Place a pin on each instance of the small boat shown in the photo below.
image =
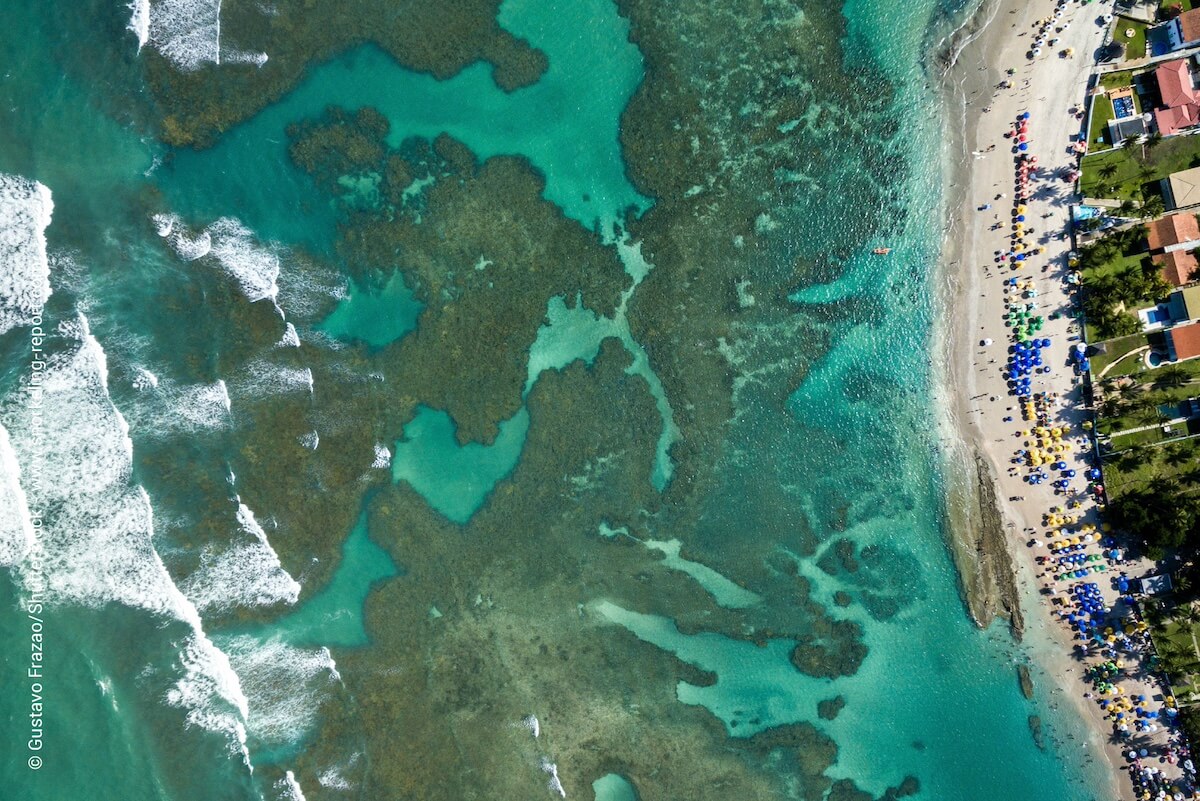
(881, 251)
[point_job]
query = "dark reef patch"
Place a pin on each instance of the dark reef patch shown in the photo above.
(435, 701)
(436, 38)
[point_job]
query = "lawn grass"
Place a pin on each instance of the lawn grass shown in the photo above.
(1135, 46)
(1172, 154)
(1115, 349)
(1121, 475)
(1114, 80)
(1184, 635)
(1122, 262)
(1102, 112)
(1151, 436)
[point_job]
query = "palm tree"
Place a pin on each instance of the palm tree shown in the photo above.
(1128, 392)
(1153, 140)
(1153, 207)
(1176, 455)
(1171, 377)
(1127, 209)
(1130, 143)
(1107, 170)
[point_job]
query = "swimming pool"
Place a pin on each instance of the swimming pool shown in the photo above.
(1123, 106)
(1159, 314)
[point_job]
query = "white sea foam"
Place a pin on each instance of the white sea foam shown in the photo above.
(289, 789)
(555, 784)
(25, 209)
(246, 573)
(333, 779)
(164, 224)
(186, 32)
(262, 377)
(255, 268)
(139, 21)
(202, 405)
(285, 686)
(210, 691)
(143, 379)
(290, 338)
(244, 57)
(95, 546)
(187, 246)
(310, 440)
(16, 524)
(531, 722)
(383, 458)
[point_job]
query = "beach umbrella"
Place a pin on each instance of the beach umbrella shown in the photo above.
(1022, 147)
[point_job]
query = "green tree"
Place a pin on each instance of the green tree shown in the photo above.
(1153, 207)
(1107, 171)
(1177, 454)
(1157, 513)
(1154, 140)
(1171, 377)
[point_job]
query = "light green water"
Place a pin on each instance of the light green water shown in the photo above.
(573, 144)
(375, 316)
(611, 787)
(333, 617)
(455, 479)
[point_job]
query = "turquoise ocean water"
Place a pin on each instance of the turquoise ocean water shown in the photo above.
(156, 687)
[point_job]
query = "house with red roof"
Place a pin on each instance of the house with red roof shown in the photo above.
(1183, 342)
(1180, 97)
(1171, 240)
(1184, 30)
(1178, 267)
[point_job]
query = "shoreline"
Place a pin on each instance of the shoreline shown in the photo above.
(998, 579)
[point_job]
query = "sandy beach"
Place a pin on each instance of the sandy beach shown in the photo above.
(993, 543)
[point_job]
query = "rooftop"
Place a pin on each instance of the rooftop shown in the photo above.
(1177, 267)
(1185, 187)
(1175, 83)
(1189, 24)
(1176, 118)
(1122, 129)
(1174, 229)
(1185, 341)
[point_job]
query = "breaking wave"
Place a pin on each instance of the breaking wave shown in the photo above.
(246, 573)
(16, 524)
(25, 209)
(186, 32)
(285, 684)
(289, 788)
(70, 453)
(383, 457)
(290, 338)
(255, 268)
